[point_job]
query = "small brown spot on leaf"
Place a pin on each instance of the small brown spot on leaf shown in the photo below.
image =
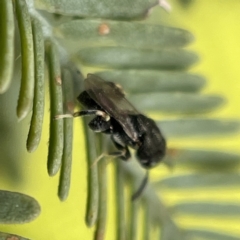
(103, 29)
(173, 152)
(12, 238)
(58, 80)
(70, 106)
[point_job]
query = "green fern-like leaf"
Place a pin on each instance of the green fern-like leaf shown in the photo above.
(151, 62)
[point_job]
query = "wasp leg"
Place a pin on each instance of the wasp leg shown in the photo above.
(124, 155)
(124, 152)
(100, 113)
(111, 155)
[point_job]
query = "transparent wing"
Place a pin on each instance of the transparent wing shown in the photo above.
(111, 98)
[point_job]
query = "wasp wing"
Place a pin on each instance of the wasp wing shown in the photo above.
(111, 98)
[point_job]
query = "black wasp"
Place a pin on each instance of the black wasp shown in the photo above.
(116, 116)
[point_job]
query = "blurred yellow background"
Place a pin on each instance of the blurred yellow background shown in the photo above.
(216, 27)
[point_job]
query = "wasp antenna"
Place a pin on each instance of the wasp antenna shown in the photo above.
(141, 188)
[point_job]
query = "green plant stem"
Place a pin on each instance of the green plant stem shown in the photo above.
(93, 183)
(120, 206)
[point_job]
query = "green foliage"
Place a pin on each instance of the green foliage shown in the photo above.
(149, 62)
(26, 93)
(88, 32)
(17, 208)
(132, 58)
(35, 130)
(98, 9)
(7, 42)
(149, 81)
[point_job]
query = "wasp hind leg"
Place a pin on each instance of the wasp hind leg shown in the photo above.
(123, 153)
